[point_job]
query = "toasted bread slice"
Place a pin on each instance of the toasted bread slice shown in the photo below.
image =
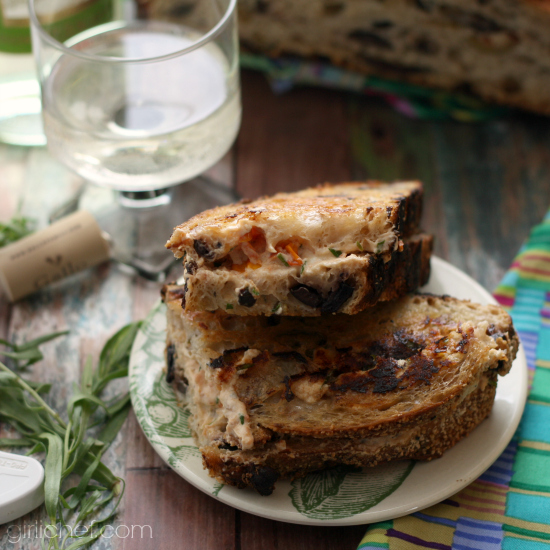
(346, 284)
(294, 456)
(290, 394)
(321, 250)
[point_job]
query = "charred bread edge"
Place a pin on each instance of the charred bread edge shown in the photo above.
(428, 440)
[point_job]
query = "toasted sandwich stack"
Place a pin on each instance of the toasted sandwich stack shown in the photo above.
(299, 345)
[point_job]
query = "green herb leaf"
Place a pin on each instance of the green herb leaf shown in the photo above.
(41, 340)
(8, 378)
(78, 495)
(85, 541)
(276, 307)
(244, 366)
(114, 424)
(255, 291)
(52, 473)
(228, 306)
(335, 253)
(27, 352)
(71, 446)
(359, 246)
(14, 410)
(117, 405)
(18, 442)
(283, 259)
(379, 246)
(115, 356)
(241, 418)
(17, 228)
(303, 267)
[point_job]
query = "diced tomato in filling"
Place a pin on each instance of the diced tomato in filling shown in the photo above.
(253, 245)
(247, 265)
(256, 238)
(253, 256)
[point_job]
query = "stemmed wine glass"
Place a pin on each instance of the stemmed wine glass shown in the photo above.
(137, 99)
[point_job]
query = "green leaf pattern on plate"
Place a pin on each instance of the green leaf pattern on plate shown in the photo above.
(217, 488)
(332, 494)
(346, 491)
(182, 454)
(162, 419)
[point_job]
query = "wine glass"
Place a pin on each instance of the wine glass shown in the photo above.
(137, 98)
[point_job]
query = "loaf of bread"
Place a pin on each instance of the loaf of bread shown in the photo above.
(496, 49)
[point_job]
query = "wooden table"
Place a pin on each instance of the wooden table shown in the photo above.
(486, 185)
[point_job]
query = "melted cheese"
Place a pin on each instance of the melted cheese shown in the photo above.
(238, 421)
(308, 389)
(335, 217)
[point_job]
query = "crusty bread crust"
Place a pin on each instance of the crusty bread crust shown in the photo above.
(261, 467)
(490, 49)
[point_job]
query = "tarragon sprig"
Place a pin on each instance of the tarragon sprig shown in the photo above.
(75, 442)
(15, 229)
(25, 355)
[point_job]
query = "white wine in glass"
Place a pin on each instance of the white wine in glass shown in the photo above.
(139, 105)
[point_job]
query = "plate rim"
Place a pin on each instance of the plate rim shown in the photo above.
(368, 516)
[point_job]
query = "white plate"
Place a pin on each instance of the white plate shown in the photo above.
(340, 497)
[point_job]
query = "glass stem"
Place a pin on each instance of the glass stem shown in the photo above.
(145, 199)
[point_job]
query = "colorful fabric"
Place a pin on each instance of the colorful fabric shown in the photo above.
(412, 101)
(508, 507)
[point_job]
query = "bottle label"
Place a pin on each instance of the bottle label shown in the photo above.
(69, 18)
(65, 247)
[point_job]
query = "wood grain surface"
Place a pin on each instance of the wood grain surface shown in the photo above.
(486, 185)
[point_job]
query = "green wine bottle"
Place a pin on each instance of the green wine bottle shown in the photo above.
(20, 112)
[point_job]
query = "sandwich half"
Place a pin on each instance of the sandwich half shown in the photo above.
(283, 396)
(333, 248)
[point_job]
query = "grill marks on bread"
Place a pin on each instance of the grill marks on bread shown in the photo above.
(376, 361)
(329, 249)
(394, 363)
(361, 388)
(212, 235)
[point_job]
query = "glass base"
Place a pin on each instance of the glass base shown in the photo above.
(140, 223)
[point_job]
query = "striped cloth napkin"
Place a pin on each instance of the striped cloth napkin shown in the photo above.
(412, 101)
(508, 507)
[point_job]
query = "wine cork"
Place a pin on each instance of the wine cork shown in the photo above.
(63, 248)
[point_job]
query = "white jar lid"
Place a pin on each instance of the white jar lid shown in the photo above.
(21, 486)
